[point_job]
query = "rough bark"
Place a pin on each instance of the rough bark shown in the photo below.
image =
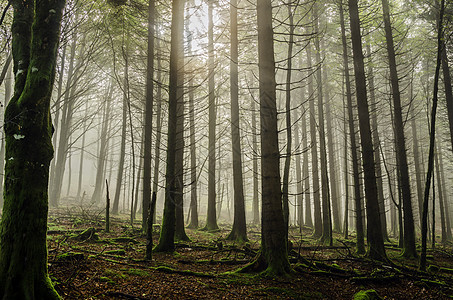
(239, 231)
(167, 234)
(149, 102)
(211, 221)
(273, 258)
(317, 232)
(375, 240)
(409, 228)
(355, 167)
(23, 250)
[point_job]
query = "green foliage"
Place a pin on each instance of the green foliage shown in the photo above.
(367, 295)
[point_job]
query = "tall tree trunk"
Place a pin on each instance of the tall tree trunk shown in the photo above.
(286, 168)
(326, 224)
(308, 220)
(334, 199)
(102, 155)
(158, 127)
(23, 249)
(448, 88)
(167, 234)
(120, 175)
(239, 231)
(375, 239)
(299, 216)
(65, 124)
(376, 143)
(273, 258)
(415, 149)
(180, 233)
(193, 150)
(82, 152)
(446, 207)
(440, 196)
(211, 222)
(149, 102)
(409, 228)
(256, 217)
(317, 232)
(355, 167)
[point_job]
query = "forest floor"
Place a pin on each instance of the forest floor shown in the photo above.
(111, 265)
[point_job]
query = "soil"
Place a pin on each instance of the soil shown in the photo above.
(111, 265)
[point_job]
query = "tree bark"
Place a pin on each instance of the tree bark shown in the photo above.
(149, 102)
(375, 240)
(409, 228)
(239, 231)
(355, 167)
(211, 221)
(23, 250)
(273, 242)
(167, 235)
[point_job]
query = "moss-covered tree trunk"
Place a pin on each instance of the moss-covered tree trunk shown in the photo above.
(28, 133)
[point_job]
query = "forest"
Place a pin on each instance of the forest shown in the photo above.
(214, 149)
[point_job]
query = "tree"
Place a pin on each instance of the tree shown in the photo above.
(273, 257)
(211, 221)
(149, 101)
(167, 234)
(375, 239)
(355, 167)
(409, 230)
(239, 230)
(432, 135)
(23, 250)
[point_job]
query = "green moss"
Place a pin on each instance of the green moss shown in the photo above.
(106, 279)
(433, 269)
(137, 272)
(367, 295)
(116, 252)
(71, 256)
(114, 274)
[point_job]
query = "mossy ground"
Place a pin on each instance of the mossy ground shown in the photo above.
(201, 269)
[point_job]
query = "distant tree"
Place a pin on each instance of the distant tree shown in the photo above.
(28, 133)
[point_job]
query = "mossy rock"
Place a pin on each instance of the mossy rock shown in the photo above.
(125, 239)
(71, 256)
(367, 295)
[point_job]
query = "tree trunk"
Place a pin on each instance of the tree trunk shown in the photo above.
(149, 102)
(317, 232)
(286, 168)
(448, 89)
(193, 150)
(308, 220)
(376, 143)
(409, 230)
(8, 91)
(23, 250)
(256, 216)
(274, 256)
(375, 239)
(446, 207)
(102, 155)
(180, 233)
(355, 167)
(167, 234)
(239, 231)
(65, 124)
(120, 175)
(211, 222)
